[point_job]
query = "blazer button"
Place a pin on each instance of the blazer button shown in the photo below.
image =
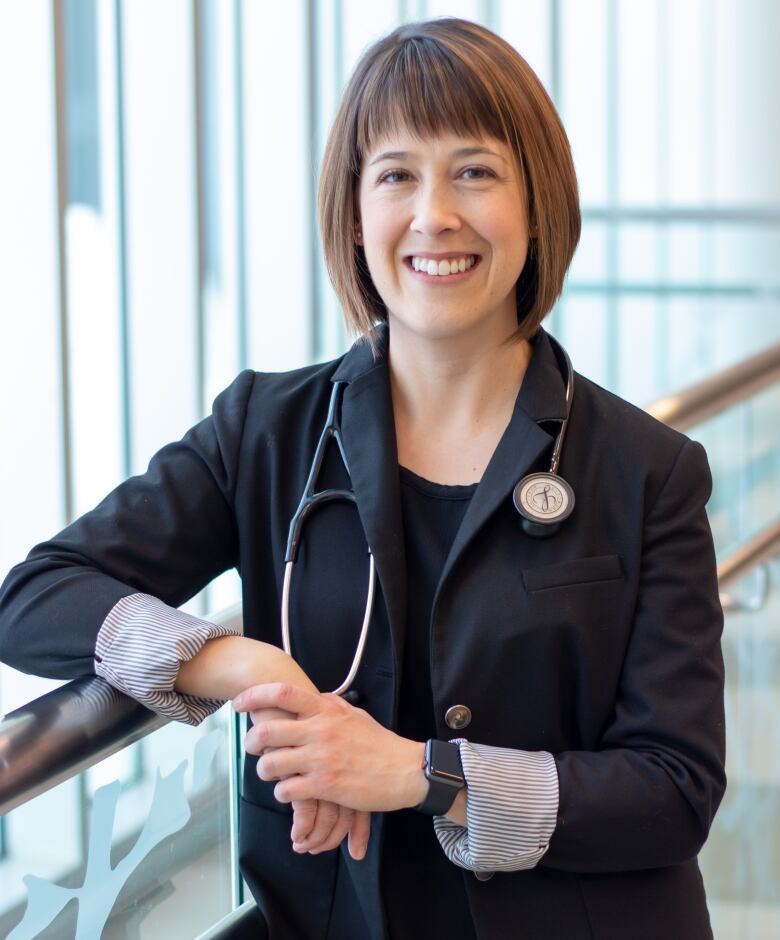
(483, 875)
(457, 717)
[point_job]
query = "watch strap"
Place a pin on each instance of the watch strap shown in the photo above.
(443, 770)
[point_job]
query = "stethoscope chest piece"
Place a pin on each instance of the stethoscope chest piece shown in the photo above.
(543, 500)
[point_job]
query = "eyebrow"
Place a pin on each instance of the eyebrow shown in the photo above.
(463, 152)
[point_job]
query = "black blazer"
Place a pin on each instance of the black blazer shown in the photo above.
(600, 645)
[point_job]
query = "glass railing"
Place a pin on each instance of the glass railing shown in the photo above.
(740, 861)
(125, 847)
(113, 818)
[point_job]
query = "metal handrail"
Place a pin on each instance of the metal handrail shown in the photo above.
(70, 729)
(755, 553)
(707, 398)
(704, 400)
(62, 733)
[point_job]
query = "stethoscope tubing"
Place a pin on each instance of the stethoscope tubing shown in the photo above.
(358, 657)
(309, 502)
(556, 454)
(532, 523)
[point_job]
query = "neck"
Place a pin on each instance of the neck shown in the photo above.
(455, 383)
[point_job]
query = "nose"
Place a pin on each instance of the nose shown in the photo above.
(435, 210)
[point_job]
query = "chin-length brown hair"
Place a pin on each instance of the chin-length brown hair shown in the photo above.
(438, 77)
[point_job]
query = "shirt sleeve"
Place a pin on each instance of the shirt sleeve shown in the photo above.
(140, 646)
(511, 809)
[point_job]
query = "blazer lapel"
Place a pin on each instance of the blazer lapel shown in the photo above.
(368, 433)
(541, 398)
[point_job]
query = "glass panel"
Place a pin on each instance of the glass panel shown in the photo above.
(125, 849)
(98, 428)
(279, 165)
(741, 860)
(528, 27)
(744, 454)
(161, 224)
(33, 489)
(691, 298)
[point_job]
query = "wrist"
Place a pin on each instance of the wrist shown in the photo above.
(269, 663)
(443, 772)
(457, 812)
(225, 666)
(416, 784)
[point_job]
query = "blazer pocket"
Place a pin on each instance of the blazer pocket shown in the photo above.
(575, 571)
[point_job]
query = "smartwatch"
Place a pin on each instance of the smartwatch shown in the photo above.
(444, 773)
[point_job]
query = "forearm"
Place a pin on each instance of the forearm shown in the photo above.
(457, 812)
(227, 665)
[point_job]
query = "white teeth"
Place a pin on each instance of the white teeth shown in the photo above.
(439, 268)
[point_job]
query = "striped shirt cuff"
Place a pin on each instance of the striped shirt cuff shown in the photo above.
(511, 809)
(139, 648)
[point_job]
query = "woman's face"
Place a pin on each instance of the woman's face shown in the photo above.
(434, 201)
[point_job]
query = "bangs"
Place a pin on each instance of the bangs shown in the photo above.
(425, 90)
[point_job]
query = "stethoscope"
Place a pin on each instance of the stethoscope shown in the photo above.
(543, 500)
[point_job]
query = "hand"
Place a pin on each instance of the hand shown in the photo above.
(332, 751)
(319, 825)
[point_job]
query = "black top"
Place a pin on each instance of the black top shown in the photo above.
(424, 892)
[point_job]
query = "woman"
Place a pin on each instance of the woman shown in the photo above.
(579, 674)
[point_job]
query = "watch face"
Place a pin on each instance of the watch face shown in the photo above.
(444, 761)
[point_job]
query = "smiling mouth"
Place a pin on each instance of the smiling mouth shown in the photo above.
(455, 269)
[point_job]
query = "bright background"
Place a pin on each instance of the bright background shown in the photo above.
(157, 234)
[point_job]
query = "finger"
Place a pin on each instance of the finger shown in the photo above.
(278, 695)
(304, 816)
(341, 826)
(277, 733)
(282, 762)
(327, 817)
(359, 834)
(267, 714)
(298, 787)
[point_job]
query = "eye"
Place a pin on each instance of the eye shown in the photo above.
(480, 169)
(386, 176)
(484, 173)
